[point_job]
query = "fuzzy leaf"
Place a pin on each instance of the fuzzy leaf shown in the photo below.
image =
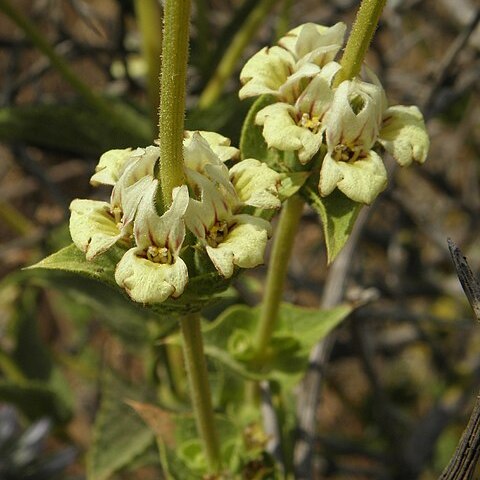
(299, 329)
(338, 214)
(119, 434)
(200, 291)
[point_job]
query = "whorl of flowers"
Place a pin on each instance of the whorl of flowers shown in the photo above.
(212, 204)
(352, 119)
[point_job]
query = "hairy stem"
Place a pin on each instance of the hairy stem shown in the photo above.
(362, 33)
(172, 95)
(199, 389)
(277, 273)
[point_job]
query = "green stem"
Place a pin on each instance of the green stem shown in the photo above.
(277, 273)
(227, 64)
(149, 18)
(199, 389)
(172, 95)
(58, 62)
(362, 33)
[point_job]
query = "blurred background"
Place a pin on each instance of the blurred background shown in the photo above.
(404, 369)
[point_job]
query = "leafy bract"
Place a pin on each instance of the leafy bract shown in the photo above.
(338, 214)
(201, 290)
(229, 340)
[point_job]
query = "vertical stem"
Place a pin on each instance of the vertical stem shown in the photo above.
(149, 18)
(363, 29)
(200, 389)
(277, 272)
(172, 95)
(227, 64)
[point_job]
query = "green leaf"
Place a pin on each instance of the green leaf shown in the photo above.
(36, 399)
(71, 259)
(74, 127)
(291, 183)
(338, 214)
(119, 435)
(228, 339)
(201, 290)
(252, 143)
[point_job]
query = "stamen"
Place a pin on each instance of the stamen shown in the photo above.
(312, 123)
(117, 215)
(159, 254)
(217, 233)
(347, 153)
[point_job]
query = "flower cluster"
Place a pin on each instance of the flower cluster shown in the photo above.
(352, 118)
(213, 205)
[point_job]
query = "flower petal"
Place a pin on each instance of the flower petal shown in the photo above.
(315, 43)
(330, 175)
(355, 115)
(202, 215)
(266, 72)
(149, 282)
(110, 166)
(199, 157)
(318, 95)
(256, 183)
(92, 227)
(361, 180)
(167, 230)
(143, 165)
(244, 245)
(296, 82)
(220, 145)
(311, 43)
(404, 135)
(281, 131)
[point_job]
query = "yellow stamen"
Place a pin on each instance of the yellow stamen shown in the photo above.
(312, 123)
(159, 254)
